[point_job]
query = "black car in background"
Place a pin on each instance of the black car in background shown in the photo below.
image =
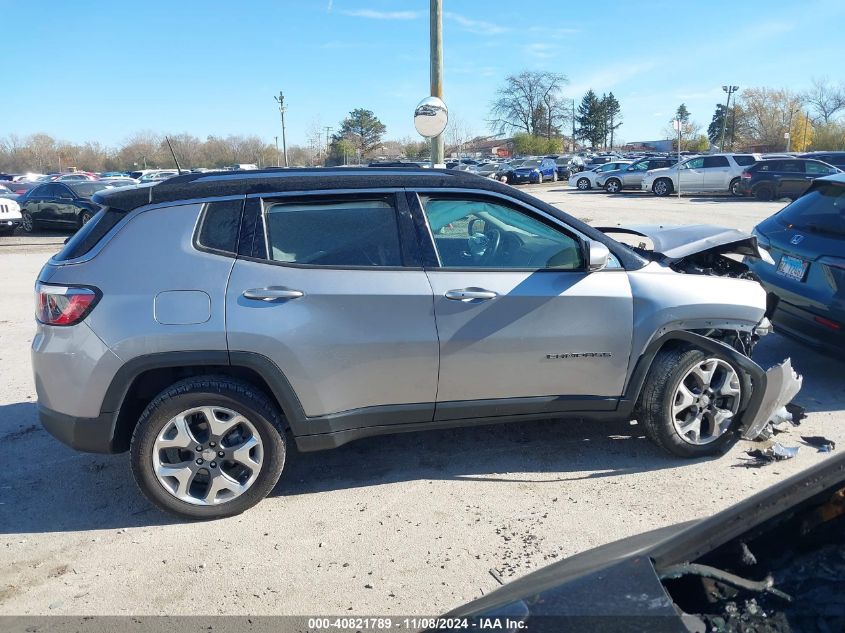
(782, 177)
(806, 281)
(59, 205)
(837, 159)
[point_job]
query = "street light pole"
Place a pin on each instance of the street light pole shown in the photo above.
(436, 48)
(328, 129)
(788, 134)
(278, 156)
(281, 101)
(730, 90)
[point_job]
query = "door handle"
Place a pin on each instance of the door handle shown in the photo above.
(273, 293)
(470, 294)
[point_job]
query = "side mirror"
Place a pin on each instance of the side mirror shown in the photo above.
(597, 256)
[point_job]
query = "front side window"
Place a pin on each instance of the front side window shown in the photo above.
(482, 234)
(361, 233)
(818, 168)
(791, 166)
(695, 163)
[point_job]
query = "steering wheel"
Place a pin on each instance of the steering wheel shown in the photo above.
(484, 246)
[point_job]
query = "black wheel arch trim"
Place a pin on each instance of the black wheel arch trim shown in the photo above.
(753, 376)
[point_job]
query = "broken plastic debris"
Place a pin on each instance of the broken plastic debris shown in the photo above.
(782, 384)
(821, 444)
(775, 453)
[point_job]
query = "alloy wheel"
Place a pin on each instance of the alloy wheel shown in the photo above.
(207, 455)
(583, 184)
(26, 222)
(705, 401)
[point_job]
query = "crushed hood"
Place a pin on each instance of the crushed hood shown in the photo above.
(679, 241)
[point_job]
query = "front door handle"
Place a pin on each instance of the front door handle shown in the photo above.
(470, 294)
(273, 293)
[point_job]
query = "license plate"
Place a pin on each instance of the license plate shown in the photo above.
(792, 267)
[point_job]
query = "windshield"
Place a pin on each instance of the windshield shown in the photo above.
(531, 163)
(822, 210)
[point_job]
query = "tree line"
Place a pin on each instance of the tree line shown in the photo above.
(530, 106)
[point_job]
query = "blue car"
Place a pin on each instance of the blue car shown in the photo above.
(806, 282)
(535, 170)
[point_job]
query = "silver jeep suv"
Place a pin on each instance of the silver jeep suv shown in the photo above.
(200, 322)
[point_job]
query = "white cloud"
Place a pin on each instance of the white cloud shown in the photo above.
(607, 77)
(553, 31)
(478, 27)
(383, 15)
(540, 50)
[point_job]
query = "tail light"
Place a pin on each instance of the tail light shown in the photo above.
(746, 175)
(833, 325)
(63, 305)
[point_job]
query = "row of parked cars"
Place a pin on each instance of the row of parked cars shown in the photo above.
(765, 177)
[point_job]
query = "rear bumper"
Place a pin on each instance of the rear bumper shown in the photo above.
(92, 435)
(801, 324)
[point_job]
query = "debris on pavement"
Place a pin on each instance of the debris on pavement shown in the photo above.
(820, 443)
(775, 453)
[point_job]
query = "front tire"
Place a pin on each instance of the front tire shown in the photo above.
(554, 176)
(613, 186)
(764, 193)
(662, 187)
(583, 184)
(540, 179)
(690, 401)
(84, 218)
(208, 447)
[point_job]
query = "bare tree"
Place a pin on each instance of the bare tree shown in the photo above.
(530, 102)
(458, 133)
(825, 98)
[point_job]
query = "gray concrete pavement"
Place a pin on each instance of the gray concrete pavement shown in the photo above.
(408, 524)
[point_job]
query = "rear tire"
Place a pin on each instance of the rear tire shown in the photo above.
(252, 453)
(734, 188)
(28, 224)
(84, 218)
(666, 397)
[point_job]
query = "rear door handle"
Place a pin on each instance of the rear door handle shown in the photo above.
(273, 293)
(470, 294)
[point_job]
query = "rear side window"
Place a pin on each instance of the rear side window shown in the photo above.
(744, 159)
(821, 210)
(716, 161)
(90, 234)
(360, 233)
(219, 226)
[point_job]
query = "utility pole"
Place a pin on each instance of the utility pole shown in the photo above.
(788, 134)
(281, 101)
(730, 90)
(573, 126)
(278, 156)
(436, 48)
(328, 130)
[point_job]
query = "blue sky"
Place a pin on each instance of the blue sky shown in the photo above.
(102, 70)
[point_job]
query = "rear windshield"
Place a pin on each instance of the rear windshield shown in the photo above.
(90, 234)
(821, 210)
(86, 189)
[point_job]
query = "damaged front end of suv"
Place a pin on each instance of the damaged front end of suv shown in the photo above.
(722, 310)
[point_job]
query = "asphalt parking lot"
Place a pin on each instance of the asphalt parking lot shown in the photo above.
(408, 524)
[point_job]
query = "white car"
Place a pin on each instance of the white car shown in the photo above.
(10, 212)
(585, 180)
(714, 173)
(158, 175)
